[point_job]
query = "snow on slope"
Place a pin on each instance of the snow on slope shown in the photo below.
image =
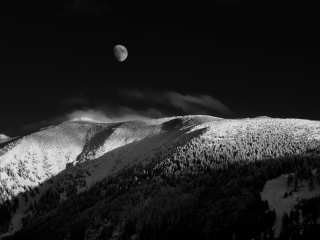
(122, 144)
(274, 191)
(95, 150)
(32, 159)
(101, 148)
(36, 157)
(105, 148)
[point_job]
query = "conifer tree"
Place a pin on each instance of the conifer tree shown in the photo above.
(296, 225)
(289, 181)
(285, 228)
(291, 217)
(310, 184)
(307, 171)
(295, 183)
(269, 234)
(296, 216)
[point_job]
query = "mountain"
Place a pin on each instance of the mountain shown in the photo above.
(170, 178)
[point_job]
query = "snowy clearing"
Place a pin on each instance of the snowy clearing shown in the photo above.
(274, 191)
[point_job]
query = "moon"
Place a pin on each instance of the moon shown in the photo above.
(120, 52)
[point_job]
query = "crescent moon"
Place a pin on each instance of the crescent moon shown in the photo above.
(120, 52)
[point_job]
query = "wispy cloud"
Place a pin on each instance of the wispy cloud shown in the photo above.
(41, 124)
(93, 114)
(102, 113)
(105, 113)
(159, 104)
(74, 101)
(192, 104)
(189, 104)
(126, 114)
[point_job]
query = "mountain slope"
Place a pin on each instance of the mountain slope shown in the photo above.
(62, 160)
(48, 152)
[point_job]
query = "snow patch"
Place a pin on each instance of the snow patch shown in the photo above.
(274, 191)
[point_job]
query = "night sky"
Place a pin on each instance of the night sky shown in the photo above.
(229, 59)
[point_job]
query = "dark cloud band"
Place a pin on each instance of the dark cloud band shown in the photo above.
(189, 104)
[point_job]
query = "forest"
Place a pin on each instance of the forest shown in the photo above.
(204, 189)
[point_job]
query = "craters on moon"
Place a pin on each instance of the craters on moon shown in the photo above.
(120, 52)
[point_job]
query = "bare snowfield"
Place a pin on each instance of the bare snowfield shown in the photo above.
(274, 191)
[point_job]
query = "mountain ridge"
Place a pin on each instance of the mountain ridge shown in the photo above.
(75, 155)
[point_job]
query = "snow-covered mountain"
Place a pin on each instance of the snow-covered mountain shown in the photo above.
(99, 148)
(86, 151)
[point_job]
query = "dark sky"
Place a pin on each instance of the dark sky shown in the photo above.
(230, 59)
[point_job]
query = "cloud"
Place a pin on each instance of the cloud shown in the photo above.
(122, 113)
(189, 104)
(159, 104)
(74, 101)
(102, 113)
(134, 93)
(42, 124)
(78, 107)
(93, 114)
